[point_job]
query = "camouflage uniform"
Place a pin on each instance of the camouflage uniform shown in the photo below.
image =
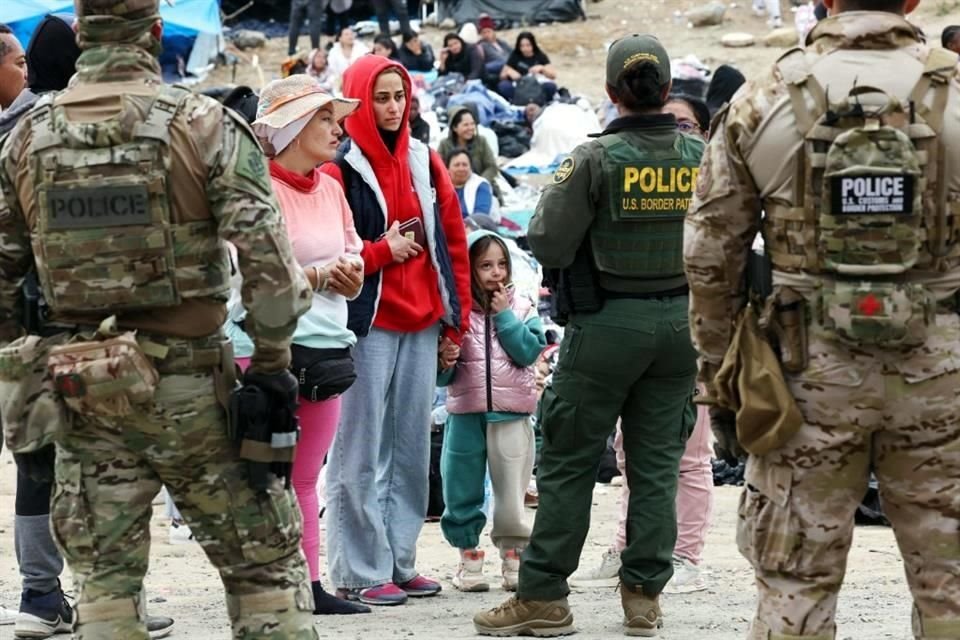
(892, 410)
(109, 469)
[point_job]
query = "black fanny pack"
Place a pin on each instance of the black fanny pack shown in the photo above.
(322, 373)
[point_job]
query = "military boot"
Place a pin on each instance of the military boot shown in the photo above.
(541, 618)
(641, 613)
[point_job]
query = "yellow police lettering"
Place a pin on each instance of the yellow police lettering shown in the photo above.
(648, 179)
(630, 177)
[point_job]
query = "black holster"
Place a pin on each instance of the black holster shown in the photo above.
(575, 289)
(266, 434)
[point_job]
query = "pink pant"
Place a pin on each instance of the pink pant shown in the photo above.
(694, 492)
(318, 424)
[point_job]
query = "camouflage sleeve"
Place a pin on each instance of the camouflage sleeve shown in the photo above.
(718, 232)
(565, 210)
(16, 255)
(275, 290)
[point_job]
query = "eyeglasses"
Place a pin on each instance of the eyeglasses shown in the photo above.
(687, 126)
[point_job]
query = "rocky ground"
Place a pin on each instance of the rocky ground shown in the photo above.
(873, 606)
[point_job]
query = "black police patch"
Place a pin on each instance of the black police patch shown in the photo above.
(94, 207)
(871, 194)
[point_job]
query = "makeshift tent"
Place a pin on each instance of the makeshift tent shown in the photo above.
(522, 11)
(183, 24)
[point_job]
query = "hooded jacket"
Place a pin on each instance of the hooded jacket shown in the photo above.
(383, 187)
(494, 374)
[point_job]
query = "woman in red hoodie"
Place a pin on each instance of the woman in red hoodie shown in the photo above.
(411, 313)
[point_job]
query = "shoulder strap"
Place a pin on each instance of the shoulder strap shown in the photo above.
(938, 69)
(156, 126)
(41, 122)
(795, 70)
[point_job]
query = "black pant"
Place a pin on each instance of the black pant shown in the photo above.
(300, 11)
(335, 22)
(382, 7)
(33, 497)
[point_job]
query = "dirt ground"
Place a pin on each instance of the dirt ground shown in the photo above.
(874, 604)
(578, 49)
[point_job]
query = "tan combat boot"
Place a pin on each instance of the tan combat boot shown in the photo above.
(541, 618)
(641, 613)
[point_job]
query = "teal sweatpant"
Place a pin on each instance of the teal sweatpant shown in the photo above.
(470, 444)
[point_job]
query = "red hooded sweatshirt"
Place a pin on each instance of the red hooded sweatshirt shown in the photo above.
(410, 296)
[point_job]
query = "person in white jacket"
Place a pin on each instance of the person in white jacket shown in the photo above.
(345, 51)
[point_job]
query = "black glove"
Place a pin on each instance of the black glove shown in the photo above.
(38, 465)
(281, 385)
(723, 423)
(279, 406)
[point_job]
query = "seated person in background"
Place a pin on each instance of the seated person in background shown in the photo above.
(383, 45)
(345, 51)
(474, 192)
(493, 51)
(527, 59)
(414, 54)
(950, 38)
(318, 68)
(459, 57)
(463, 133)
(419, 128)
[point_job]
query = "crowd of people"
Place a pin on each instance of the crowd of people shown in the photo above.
(314, 208)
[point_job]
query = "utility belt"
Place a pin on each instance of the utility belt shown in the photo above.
(887, 314)
(95, 371)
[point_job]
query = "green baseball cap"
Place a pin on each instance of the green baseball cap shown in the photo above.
(636, 49)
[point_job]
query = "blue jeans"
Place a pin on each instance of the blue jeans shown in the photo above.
(378, 467)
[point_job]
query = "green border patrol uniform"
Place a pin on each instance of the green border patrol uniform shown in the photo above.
(613, 221)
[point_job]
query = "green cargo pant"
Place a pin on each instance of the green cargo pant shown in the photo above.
(632, 360)
(109, 470)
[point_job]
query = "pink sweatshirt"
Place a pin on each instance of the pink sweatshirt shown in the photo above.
(320, 226)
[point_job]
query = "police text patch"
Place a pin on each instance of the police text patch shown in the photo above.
(82, 208)
(871, 194)
(655, 189)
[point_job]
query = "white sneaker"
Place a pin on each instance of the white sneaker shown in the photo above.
(775, 23)
(510, 568)
(180, 533)
(606, 575)
(7, 615)
(687, 577)
(470, 572)
(759, 10)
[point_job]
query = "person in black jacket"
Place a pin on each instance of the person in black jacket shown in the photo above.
(419, 128)
(414, 54)
(459, 57)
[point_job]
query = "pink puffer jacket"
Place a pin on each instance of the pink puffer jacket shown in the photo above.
(486, 378)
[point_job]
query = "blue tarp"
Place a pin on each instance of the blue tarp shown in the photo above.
(185, 18)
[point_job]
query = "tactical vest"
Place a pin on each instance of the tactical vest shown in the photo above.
(637, 238)
(105, 238)
(870, 205)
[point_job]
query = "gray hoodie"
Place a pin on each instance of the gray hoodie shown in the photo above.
(20, 107)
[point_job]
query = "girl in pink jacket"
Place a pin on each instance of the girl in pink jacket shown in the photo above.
(491, 394)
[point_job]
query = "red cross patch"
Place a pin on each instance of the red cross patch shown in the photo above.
(869, 305)
(71, 385)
